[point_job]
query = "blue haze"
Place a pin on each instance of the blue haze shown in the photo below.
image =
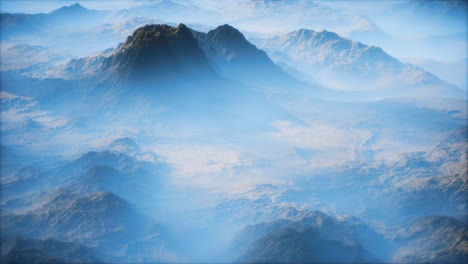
(233, 131)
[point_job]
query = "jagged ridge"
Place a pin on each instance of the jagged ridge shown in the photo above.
(158, 53)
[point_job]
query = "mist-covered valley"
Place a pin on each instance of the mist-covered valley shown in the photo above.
(184, 131)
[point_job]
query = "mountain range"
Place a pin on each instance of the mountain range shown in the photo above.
(223, 50)
(169, 11)
(304, 56)
(234, 57)
(85, 206)
(18, 25)
(311, 239)
(177, 145)
(349, 65)
(158, 52)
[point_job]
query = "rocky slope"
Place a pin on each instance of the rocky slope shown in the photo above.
(345, 64)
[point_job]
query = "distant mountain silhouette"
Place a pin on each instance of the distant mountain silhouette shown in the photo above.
(337, 61)
(75, 11)
(37, 24)
(168, 10)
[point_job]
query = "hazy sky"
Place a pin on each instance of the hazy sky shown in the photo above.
(402, 38)
(12, 6)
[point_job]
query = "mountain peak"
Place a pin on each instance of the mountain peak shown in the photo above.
(183, 30)
(157, 53)
(235, 57)
(329, 34)
(76, 5)
(322, 36)
(182, 26)
(227, 27)
(226, 39)
(75, 9)
(228, 33)
(153, 34)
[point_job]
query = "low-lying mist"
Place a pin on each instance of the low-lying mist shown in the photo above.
(137, 140)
